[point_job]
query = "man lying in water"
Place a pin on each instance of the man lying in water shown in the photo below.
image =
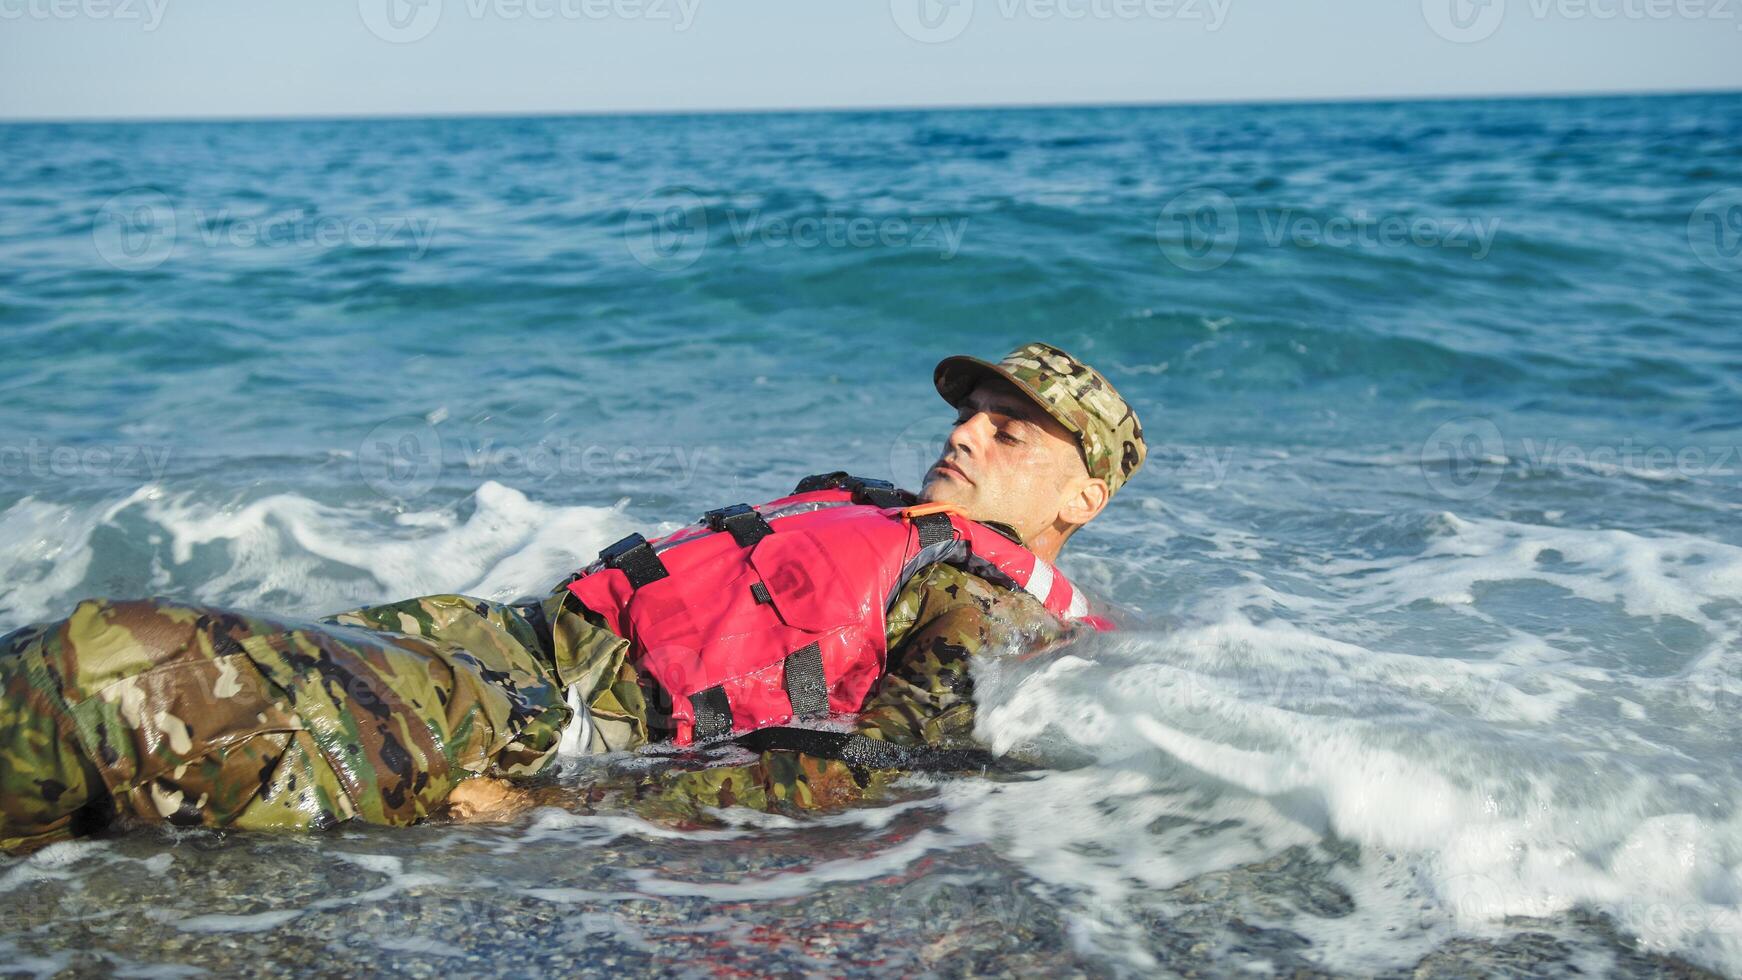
(849, 597)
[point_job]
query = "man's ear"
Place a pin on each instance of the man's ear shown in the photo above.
(1087, 501)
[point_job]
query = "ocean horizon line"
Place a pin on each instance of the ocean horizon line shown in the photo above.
(867, 109)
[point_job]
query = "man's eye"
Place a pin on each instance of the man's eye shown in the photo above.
(1009, 439)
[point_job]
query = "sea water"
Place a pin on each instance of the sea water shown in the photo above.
(1431, 589)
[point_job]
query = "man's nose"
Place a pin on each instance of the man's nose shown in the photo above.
(969, 434)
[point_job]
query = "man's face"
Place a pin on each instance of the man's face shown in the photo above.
(1006, 460)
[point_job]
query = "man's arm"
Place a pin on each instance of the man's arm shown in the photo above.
(938, 624)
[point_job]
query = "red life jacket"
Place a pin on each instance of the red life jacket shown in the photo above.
(758, 616)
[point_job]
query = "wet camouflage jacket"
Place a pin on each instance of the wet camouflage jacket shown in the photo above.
(939, 621)
(197, 715)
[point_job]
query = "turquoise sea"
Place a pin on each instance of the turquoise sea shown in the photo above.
(1432, 585)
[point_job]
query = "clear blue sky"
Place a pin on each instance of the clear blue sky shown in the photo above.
(244, 58)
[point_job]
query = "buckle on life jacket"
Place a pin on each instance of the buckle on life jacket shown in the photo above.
(877, 493)
(822, 481)
(921, 510)
(745, 523)
(634, 557)
(933, 521)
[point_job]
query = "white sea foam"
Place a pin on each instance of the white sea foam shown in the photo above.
(874, 863)
(1661, 574)
(249, 922)
(288, 553)
(45, 552)
(20, 963)
(1506, 782)
(602, 828)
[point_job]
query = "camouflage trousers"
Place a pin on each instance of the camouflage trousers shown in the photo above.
(201, 716)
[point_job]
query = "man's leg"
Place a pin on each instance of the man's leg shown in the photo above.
(153, 710)
(49, 790)
(197, 715)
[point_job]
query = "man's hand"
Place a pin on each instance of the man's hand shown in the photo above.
(486, 800)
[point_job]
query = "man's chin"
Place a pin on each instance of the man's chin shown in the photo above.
(941, 489)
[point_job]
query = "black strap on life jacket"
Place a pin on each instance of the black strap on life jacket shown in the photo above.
(807, 691)
(713, 713)
(864, 754)
(822, 481)
(933, 529)
(634, 557)
(744, 522)
(877, 493)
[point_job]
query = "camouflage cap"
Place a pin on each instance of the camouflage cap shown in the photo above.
(1070, 391)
